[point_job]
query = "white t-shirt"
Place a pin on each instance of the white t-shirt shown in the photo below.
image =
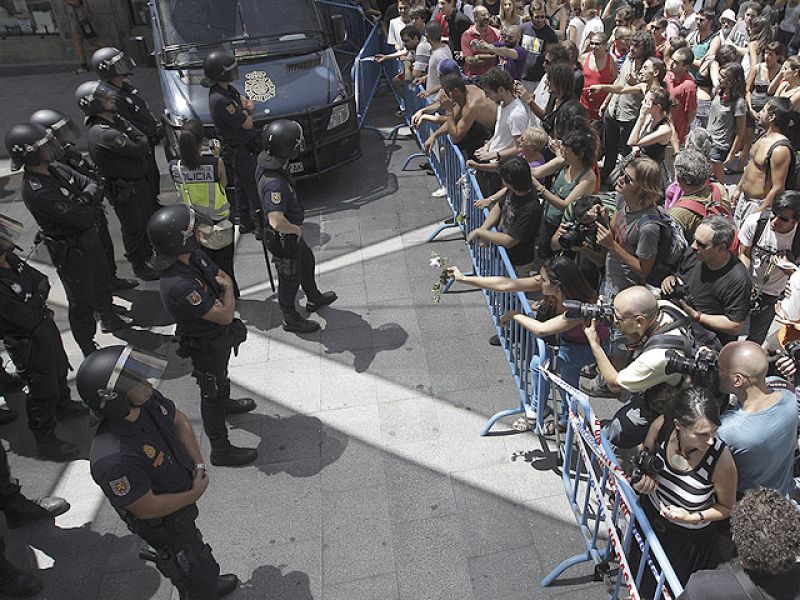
(512, 121)
(578, 24)
(396, 25)
(767, 278)
(422, 56)
(437, 56)
(593, 25)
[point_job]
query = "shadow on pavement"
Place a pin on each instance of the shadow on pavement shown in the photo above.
(269, 582)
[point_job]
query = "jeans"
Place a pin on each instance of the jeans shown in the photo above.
(571, 358)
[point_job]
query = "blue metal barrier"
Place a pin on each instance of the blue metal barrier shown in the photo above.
(605, 505)
(366, 73)
(356, 23)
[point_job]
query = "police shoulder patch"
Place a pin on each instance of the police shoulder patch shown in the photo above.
(36, 185)
(121, 486)
(194, 298)
(231, 108)
(163, 409)
(276, 197)
(120, 141)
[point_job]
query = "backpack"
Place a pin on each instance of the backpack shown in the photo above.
(671, 245)
(793, 175)
(713, 208)
(761, 225)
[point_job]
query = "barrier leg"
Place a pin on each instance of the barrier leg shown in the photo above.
(440, 229)
(412, 157)
(570, 562)
(503, 413)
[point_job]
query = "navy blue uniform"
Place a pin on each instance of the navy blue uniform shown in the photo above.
(122, 154)
(188, 292)
(127, 461)
(69, 222)
(293, 259)
(33, 341)
(240, 148)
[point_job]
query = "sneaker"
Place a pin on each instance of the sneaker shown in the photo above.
(236, 406)
(324, 299)
(118, 284)
(597, 387)
(440, 193)
(589, 371)
(495, 340)
(51, 447)
(20, 510)
(71, 410)
(232, 456)
(17, 583)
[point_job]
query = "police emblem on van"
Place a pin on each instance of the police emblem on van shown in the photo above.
(258, 87)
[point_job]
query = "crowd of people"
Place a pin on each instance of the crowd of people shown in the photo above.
(639, 164)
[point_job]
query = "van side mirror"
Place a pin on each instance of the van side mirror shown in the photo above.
(339, 29)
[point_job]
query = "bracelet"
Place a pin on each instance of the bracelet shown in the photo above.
(200, 466)
(700, 514)
(697, 316)
(498, 157)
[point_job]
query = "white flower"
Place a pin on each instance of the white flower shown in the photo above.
(436, 262)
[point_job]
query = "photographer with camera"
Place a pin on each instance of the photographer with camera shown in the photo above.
(687, 480)
(650, 328)
(762, 431)
(711, 285)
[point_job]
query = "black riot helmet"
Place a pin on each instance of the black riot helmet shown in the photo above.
(284, 139)
(31, 144)
(111, 62)
(220, 65)
(111, 380)
(61, 124)
(10, 229)
(90, 96)
(171, 233)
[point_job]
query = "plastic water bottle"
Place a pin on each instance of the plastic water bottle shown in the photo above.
(791, 304)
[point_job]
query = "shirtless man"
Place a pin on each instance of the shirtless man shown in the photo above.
(469, 116)
(761, 182)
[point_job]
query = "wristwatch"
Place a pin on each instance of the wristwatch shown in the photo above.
(200, 466)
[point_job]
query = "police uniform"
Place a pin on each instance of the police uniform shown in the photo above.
(293, 259)
(188, 292)
(127, 461)
(135, 109)
(122, 154)
(240, 148)
(69, 223)
(34, 342)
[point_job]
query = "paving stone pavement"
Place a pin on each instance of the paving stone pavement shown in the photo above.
(372, 480)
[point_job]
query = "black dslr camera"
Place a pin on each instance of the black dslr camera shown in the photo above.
(583, 311)
(680, 291)
(701, 369)
(577, 234)
(646, 463)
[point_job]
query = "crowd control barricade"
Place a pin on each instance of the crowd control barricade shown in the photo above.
(366, 73)
(606, 508)
(356, 23)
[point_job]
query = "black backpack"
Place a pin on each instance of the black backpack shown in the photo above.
(793, 175)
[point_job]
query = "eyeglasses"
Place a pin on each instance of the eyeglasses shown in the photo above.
(783, 219)
(627, 179)
(596, 44)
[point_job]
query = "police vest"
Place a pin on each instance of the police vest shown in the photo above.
(200, 188)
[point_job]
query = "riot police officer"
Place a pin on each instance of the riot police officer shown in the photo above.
(294, 260)
(65, 205)
(146, 459)
(232, 114)
(68, 134)
(34, 343)
(114, 68)
(122, 154)
(199, 296)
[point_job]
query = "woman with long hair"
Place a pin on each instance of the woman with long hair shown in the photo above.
(760, 76)
(694, 490)
(508, 14)
(200, 180)
(559, 279)
(558, 16)
(576, 23)
(726, 118)
(787, 84)
(653, 129)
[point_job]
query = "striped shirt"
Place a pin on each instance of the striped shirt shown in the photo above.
(692, 490)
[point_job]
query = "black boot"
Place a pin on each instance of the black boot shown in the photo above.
(145, 272)
(17, 583)
(20, 510)
(7, 415)
(236, 406)
(10, 382)
(226, 584)
(111, 322)
(51, 447)
(323, 300)
(232, 456)
(70, 409)
(118, 284)
(87, 347)
(292, 321)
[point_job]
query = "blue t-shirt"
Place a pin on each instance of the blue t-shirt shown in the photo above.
(763, 444)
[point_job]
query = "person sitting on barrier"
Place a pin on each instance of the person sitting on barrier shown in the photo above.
(469, 116)
(687, 480)
(517, 215)
(651, 328)
(512, 121)
(420, 16)
(559, 280)
(762, 430)
(766, 529)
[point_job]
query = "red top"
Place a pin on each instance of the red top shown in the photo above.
(684, 97)
(490, 36)
(593, 101)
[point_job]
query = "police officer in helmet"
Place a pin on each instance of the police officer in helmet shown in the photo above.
(200, 297)
(146, 459)
(294, 260)
(65, 206)
(232, 114)
(122, 154)
(68, 134)
(115, 69)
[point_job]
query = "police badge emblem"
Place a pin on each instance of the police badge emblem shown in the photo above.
(258, 87)
(120, 486)
(194, 298)
(149, 451)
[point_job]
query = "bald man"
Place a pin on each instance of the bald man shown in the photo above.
(651, 327)
(762, 431)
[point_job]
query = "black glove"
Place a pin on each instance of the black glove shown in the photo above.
(92, 194)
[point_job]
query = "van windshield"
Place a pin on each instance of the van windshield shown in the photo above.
(249, 28)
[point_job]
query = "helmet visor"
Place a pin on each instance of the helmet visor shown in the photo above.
(66, 131)
(48, 148)
(135, 371)
(10, 229)
(120, 65)
(230, 72)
